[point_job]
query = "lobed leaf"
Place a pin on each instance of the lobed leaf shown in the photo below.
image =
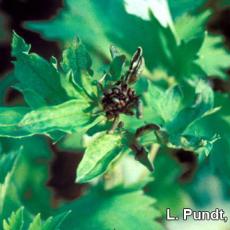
(77, 59)
(44, 83)
(35, 73)
(110, 210)
(166, 104)
(178, 8)
(18, 221)
(102, 23)
(176, 46)
(213, 57)
(189, 27)
(19, 46)
(41, 83)
(175, 116)
(203, 104)
(15, 221)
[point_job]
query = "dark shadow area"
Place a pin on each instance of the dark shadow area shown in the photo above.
(18, 11)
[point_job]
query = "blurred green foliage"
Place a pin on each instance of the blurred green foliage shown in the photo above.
(62, 105)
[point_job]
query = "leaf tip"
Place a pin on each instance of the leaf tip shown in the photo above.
(80, 180)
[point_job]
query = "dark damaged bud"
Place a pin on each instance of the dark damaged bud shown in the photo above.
(121, 97)
(136, 66)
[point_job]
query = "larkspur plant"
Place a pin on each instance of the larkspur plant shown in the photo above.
(128, 118)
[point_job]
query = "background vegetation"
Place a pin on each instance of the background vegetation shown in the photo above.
(59, 167)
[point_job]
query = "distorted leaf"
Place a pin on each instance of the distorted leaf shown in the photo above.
(98, 156)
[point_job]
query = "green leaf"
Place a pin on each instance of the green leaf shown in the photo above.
(115, 69)
(72, 142)
(15, 221)
(36, 224)
(76, 64)
(55, 222)
(36, 74)
(9, 119)
(8, 196)
(213, 57)
(110, 210)
(19, 45)
(6, 164)
(180, 134)
(72, 90)
(217, 124)
(188, 27)
(18, 221)
(186, 66)
(7, 192)
(178, 8)
(34, 162)
(202, 146)
(101, 23)
(191, 34)
(175, 115)
(68, 117)
(76, 59)
(165, 187)
(177, 50)
(71, 21)
(33, 99)
(7, 81)
(98, 156)
(202, 106)
(167, 104)
(40, 82)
